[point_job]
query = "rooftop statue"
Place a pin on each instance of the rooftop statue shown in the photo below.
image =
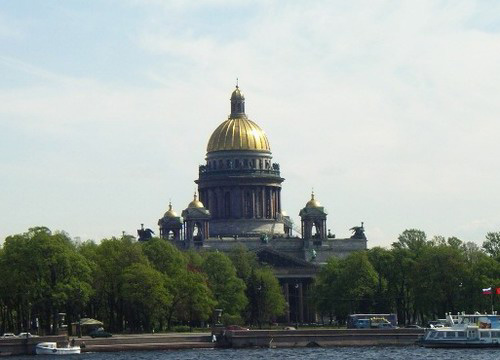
(358, 232)
(144, 234)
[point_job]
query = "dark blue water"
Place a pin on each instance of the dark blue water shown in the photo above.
(340, 353)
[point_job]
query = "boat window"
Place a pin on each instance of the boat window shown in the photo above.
(484, 334)
(461, 334)
(495, 334)
(440, 334)
(450, 334)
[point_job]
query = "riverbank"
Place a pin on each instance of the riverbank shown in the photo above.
(227, 339)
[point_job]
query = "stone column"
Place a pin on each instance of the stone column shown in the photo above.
(263, 202)
(279, 201)
(211, 203)
(242, 202)
(271, 198)
(286, 292)
(254, 205)
(301, 304)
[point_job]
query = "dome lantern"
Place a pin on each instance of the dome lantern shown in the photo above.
(237, 103)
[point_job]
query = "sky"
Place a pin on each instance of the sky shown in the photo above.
(388, 109)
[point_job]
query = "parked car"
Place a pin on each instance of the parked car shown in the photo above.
(8, 335)
(100, 333)
(413, 326)
(26, 335)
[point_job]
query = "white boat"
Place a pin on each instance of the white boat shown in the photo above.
(50, 348)
(465, 331)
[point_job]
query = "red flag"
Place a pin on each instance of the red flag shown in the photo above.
(498, 291)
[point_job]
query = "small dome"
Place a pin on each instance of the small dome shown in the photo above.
(195, 203)
(237, 94)
(170, 212)
(284, 213)
(313, 203)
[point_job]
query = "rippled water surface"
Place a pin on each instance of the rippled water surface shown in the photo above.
(341, 353)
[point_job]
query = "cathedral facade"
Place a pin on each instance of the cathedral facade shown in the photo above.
(239, 203)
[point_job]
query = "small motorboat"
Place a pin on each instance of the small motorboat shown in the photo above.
(50, 348)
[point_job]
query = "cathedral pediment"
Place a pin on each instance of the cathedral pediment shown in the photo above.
(268, 256)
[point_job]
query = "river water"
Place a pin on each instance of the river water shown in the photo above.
(340, 353)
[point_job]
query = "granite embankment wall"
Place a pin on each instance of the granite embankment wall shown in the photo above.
(321, 337)
(234, 339)
(146, 342)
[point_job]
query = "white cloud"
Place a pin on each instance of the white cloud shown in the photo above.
(387, 108)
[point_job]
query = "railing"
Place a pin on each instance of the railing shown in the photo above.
(273, 171)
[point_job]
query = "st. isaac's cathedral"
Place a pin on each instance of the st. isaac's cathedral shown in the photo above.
(239, 203)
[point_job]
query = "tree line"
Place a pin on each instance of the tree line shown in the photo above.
(131, 286)
(143, 286)
(416, 278)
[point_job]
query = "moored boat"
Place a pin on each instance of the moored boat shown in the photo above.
(51, 348)
(465, 331)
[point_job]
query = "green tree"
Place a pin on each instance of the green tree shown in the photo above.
(194, 300)
(44, 276)
(164, 256)
(244, 261)
(492, 245)
(266, 300)
(228, 289)
(326, 295)
(345, 286)
(112, 257)
(145, 295)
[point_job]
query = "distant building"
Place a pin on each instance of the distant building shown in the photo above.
(240, 203)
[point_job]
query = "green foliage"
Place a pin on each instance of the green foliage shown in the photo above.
(244, 261)
(228, 289)
(145, 295)
(492, 245)
(228, 319)
(266, 300)
(43, 275)
(164, 256)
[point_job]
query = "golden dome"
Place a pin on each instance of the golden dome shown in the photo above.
(238, 134)
(313, 203)
(170, 213)
(195, 203)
